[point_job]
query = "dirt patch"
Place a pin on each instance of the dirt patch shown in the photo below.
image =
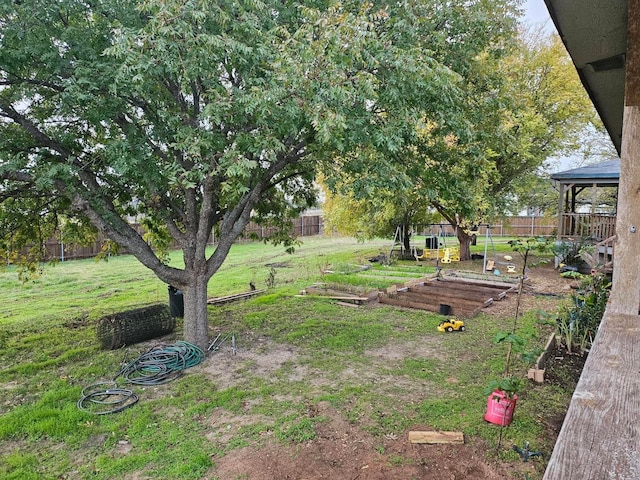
(259, 355)
(563, 368)
(342, 450)
(543, 289)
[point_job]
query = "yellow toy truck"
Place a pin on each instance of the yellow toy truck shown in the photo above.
(450, 325)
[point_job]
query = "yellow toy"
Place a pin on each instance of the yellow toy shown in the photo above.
(451, 324)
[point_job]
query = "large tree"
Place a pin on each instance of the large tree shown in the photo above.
(195, 115)
(521, 103)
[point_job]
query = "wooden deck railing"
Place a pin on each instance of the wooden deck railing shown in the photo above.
(600, 435)
(580, 225)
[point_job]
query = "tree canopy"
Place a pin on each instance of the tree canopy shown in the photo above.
(199, 115)
(521, 104)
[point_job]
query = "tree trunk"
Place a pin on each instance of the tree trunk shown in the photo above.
(196, 321)
(465, 243)
(406, 240)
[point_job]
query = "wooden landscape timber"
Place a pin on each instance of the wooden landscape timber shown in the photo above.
(418, 293)
(424, 304)
(234, 297)
(465, 298)
(498, 289)
(436, 437)
(485, 279)
(536, 373)
(341, 295)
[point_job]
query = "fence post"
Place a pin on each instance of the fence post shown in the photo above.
(533, 221)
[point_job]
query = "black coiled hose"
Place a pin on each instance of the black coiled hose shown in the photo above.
(98, 400)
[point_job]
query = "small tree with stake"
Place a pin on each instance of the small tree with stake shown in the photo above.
(509, 385)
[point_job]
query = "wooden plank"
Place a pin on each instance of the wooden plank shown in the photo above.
(484, 284)
(542, 358)
(599, 437)
(436, 437)
(439, 296)
(454, 283)
(466, 312)
(467, 287)
(459, 289)
(344, 298)
(347, 304)
(234, 297)
(449, 293)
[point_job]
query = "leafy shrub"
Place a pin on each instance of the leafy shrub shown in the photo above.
(578, 320)
(571, 252)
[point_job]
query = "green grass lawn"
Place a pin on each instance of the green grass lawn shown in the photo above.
(49, 353)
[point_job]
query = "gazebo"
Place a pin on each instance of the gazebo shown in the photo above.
(580, 216)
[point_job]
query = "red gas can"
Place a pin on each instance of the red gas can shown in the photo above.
(500, 408)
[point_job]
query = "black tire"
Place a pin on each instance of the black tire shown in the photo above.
(462, 328)
(449, 329)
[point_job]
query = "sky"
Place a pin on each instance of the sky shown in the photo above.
(536, 13)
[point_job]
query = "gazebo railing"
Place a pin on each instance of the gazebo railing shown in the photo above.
(597, 226)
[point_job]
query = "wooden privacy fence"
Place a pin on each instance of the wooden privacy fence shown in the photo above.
(311, 225)
(307, 225)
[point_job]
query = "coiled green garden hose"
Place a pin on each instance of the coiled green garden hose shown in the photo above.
(158, 365)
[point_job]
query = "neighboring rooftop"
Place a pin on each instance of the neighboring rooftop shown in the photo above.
(605, 173)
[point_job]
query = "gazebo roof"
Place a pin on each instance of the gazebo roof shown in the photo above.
(601, 174)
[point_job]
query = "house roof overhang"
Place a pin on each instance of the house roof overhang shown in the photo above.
(595, 35)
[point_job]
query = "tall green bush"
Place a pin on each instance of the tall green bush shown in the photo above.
(578, 320)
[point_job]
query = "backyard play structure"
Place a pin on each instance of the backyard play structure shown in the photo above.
(435, 247)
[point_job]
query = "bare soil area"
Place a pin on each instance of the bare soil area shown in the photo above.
(343, 450)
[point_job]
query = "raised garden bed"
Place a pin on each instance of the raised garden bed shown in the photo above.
(446, 295)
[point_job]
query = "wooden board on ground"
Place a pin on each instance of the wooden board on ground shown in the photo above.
(233, 298)
(436, 437)
(322, 290)
(477, 284)
(486, 278)
(449, 298)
